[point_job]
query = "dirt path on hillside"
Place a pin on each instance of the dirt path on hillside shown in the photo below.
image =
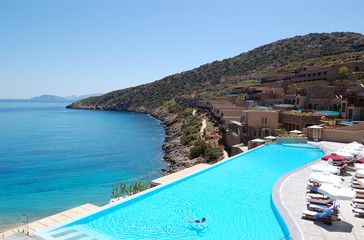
(203, 125)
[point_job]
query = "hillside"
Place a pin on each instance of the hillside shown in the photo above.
(276, 55)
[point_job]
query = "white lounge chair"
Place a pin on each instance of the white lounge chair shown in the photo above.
(358, 200)
(317, 196)
(358, 205)
(319, 208)
(320, 201)
(360, 212)
(326, 215)
(359, 174)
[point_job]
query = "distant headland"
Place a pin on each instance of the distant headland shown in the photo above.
(53, 98)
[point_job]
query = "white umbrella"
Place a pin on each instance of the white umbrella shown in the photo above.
(335, 192)
(270, 137)
(323, 178)
(324, 168)
(354, 147)
(295, 131)
(349, 150)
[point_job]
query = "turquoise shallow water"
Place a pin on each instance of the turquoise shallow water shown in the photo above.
(53, 158)
(235, 197)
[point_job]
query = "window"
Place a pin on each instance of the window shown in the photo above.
(265, 120)
(262, 119)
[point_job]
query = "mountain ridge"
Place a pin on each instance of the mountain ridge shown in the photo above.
(276, 54)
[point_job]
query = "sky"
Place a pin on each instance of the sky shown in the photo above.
(75, 47)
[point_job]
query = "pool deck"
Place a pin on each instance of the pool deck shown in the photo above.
(179, 174)
(292, 193)
(48, 221)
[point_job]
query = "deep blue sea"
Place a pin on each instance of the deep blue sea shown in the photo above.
(53, 158)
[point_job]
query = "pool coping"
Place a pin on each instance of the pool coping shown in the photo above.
(294, 231)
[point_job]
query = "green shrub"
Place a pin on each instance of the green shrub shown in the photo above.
(196, 151)
(123, 190)
(203, 144)
(213, 154)
(186, 139)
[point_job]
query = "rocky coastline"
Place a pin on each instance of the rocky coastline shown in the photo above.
(175, 154)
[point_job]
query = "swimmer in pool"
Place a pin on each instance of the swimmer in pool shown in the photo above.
(196, 221)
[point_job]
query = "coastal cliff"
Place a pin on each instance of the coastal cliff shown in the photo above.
(175, 153)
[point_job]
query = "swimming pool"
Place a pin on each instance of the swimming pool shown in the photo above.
(234, 195)
(331, 113)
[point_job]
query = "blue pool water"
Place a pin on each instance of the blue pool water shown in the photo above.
(53, 159)
(234, 195)
(327, 113)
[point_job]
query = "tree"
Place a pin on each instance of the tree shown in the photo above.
(344, 71)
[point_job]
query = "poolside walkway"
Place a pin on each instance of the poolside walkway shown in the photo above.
(293, 196)
(48, 221)
(174, 176)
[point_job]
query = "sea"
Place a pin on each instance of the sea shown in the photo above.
(53, 159)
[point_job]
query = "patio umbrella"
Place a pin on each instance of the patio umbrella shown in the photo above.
(354, 147)
(323, 178)
(361, 160)
(336, 192)
(324, 168)
(349, 150)
(334, 157)
(356, 144)
(295, 132)
(270, 137)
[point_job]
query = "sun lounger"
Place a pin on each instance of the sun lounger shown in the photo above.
(359, 166)
(358, 205)
(313, 186)
(317, 196)
(360, 212)
(320, 201)
(326, 215)
(358, 200)
(359, 181)
(319, 208)
(357, 186)
(335, 163)
(359, 174)
(359, 195)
